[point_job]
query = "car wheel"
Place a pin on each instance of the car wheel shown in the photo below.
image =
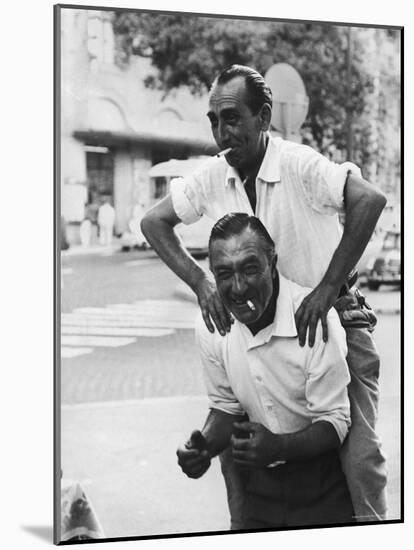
(373, 285)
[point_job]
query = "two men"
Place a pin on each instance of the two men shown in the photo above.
(295, 397)
(297, 194)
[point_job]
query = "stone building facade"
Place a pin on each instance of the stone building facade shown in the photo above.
(112, 128)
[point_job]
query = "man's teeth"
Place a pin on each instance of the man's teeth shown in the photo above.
(247, 303)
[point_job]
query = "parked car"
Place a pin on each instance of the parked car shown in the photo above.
(384, 268)
(195, 236)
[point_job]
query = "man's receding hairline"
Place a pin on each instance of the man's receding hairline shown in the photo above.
(216, 85)
(225, 238)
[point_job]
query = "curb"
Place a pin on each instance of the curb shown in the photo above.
(102, 251)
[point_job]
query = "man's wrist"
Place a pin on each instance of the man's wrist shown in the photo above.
(197, 278)
(332, 284)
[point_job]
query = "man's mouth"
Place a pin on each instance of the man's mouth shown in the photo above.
(244, 303)
(224, 152)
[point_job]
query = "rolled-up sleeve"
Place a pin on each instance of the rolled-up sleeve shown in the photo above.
(218, 387)
(328, 377)
(321, 180)
(186, 199)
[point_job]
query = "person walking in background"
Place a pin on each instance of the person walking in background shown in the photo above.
(106, 221)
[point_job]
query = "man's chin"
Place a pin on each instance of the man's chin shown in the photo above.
(246, 317)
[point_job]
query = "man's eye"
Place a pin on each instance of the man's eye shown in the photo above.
(231, 119)
(251, 270)
(223, 275)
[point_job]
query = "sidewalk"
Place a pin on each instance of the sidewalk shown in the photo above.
(98, 249)
(124, 455)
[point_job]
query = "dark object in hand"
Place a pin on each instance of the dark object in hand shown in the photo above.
(240, 434)
(197, 441)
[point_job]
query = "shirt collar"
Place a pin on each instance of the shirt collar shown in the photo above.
(283, 324)
(269, 170)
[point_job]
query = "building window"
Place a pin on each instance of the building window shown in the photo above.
(100, 174)
(160, 189)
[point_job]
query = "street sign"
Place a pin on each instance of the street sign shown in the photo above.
(290, 102)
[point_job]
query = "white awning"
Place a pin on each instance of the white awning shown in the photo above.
(176, 168)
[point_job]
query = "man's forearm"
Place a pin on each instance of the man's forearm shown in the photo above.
(363, 206)
(162, 237)
(313, 441)
(218, 429)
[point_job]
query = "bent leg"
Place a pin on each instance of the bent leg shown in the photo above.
(362, 460)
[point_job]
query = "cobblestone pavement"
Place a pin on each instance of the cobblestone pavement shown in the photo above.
(152, 367)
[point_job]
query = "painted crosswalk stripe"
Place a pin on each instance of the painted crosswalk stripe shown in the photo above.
(135, 263)
(67, 352)
(118, 321)
(121, 322)
(118, 325)
(98, 341)
(114, 331)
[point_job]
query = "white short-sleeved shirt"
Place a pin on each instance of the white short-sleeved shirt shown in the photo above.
(281, 385)
(299, 195)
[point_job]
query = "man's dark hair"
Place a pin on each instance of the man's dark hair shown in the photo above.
(235, 223)
(258, 92)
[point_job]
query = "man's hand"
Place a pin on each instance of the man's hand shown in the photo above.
(193, 456)
(313, 309)
(212, 308)
(257, 449)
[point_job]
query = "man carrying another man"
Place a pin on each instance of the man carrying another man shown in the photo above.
(295, 397)
(297, 194)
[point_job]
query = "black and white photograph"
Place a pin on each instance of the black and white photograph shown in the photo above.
(229, 273)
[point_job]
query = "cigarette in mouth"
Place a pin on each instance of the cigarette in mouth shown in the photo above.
(224, 152)
(251, 305)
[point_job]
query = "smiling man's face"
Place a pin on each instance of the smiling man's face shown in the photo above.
(243, 272)
(234, 125)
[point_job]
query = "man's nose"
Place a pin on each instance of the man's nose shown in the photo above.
(239, 285)
(222, 133)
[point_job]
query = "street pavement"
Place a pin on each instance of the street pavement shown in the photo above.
(132, 390)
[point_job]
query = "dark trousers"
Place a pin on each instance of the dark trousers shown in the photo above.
(312, 492)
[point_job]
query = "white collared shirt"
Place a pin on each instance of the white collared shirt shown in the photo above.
(299, 195)
(279, 384)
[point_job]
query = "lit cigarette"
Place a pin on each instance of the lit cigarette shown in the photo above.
(251, 305)
(224, 152)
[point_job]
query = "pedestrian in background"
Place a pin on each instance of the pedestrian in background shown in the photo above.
(106, 221)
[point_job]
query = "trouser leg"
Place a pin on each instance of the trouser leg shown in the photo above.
(362, 459)
(235, 485)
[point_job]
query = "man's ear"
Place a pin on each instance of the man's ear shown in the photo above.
(265, 117)
(274, 268)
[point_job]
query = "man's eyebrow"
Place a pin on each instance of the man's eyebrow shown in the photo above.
(250, 258)
(222, 267)
(224, 112)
